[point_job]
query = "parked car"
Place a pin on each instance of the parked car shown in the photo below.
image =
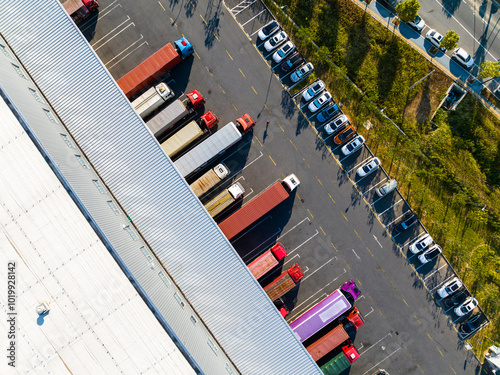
(434, 38)
(320, 102)
(462, 57)
(418, 23)
(430, 254)
(269, 30)
(338, 123)
(387, 188)
(421, 244)
(407, 221)
(345, 135)
(328, 113)
(455, 299)
(369, 167)
(276, 40)
(303, 71)
(471, 325)
(466, 307)
(283, 52)
(450, 287)
(313, 90)
(353, 146)
(293, 61)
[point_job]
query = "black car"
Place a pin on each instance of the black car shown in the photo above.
(455, 299)
(471, 325)
(408, 220)
(295, 60)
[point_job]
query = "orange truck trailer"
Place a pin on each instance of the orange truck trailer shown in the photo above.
(267, 261)
(284, 282)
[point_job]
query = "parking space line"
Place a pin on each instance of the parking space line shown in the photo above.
(357, 256)
(239, 236)
(432, 290)
(423, 264)
(303, 243)
(295, 226)
(104, 36)
(399, 217)
(90, 22)
(371, 346)
(444, 265)
(390, 355)
(387, 209)
(242, 9)
(128, 54)
(368, 313)
(317, 269)
(385, 178)
(413, 239)
(254, 17)
(262, 243)
(358, 165)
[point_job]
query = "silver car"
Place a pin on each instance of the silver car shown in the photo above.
(421, 244)
(313, 90)
(387, 188)
(449, 287)
(303, 71)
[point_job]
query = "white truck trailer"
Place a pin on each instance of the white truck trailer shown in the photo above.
(152, 99)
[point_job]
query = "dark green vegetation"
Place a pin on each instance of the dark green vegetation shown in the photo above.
(448, 169)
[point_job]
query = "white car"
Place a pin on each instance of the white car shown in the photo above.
(368, 167)
(275, 41)
(434, 38)
(353, 146)
(268, 30)
(418, 23)
(430, 254)
(320, 102)
(466, 307)
(462, 57)
(283, 52)
(387, 188)
(449, 287)
(337, 124)
(302, 72)
(421, 244)
(313, 90)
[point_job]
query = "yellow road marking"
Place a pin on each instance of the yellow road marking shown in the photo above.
(322, 230)
(265, 105)
(307, 164)
(369, 251)
(453, 370)
(334, 247)
(283, 130)
(209, 72)
(258, 141)
(332, 199)
(429, 336)
(310, 213)
(236, 109)
(218, 40)
(295, 147)
(420, 368)
(231, 57)
(224, 92)
(440, 352)
(359, 282)
(275, 164)
(357, 234)
(394, 286)
(344, 216)
(255, 91)
(197, 55)
(417, 319)
(347, 264)
(161, 6)
(383, 271)
(406, 303)
(171, 20)
(242, 73)
(380, 311)
(319, 180)
(203, 19)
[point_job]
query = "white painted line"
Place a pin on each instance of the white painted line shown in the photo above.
(387, 209)
(359, 164)
(114, 36)
(91, 20)
(267, 240)
(131, 45)
(247, 194)
(437, 286)
(97, 41)
(249, 229)
(365, 315)
(390, 355)
(413, 239)
(429, 275)
(371, 346)
(295, 226)
(376, 239)
(399, 217)
(253, 18)
(357, 256)
(248, 164)
(303, 243)
(235, 14)
(385, 178)
(317, 269)
(127, 55)
(238, 5)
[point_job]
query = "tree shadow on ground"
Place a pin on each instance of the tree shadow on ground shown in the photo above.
(287, 105)
(450, 6)
(358, 47)
(190, 7)
(424, 106)
(212, 24)
(302, 123)
(388, 67)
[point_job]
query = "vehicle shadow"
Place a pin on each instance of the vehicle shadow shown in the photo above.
(287, 105)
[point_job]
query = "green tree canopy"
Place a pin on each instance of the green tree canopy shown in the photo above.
(489, 69)
(450, 40)
(408, 10)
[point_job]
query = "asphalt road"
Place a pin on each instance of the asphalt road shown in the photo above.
(334, 226)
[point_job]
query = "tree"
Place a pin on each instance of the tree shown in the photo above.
(450, 40)
(408, 10)
(489, 69)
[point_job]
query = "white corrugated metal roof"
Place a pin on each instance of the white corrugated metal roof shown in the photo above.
(143, 179)
(98, 323)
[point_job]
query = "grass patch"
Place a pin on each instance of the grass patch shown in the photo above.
(447, 170)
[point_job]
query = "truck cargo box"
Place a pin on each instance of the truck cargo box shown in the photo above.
(267, 261)
(167, 118)
(327, 343)
(209, 180)
(341, 361)
(225, 199)
(152, 99)
(284, 283)
(181, 139)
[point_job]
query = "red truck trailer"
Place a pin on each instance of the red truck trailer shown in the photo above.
(259, 206)
(267, 261)
(284, 282)
(328, 342)
(144, 74)
(79, 9)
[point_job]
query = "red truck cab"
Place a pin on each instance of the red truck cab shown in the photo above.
(245, 122)
(90, 4)
(355, 318)
(197, 100)
(350, 352)
(209, 120)
(282, 308)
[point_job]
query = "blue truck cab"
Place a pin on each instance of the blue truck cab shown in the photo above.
(184, 48)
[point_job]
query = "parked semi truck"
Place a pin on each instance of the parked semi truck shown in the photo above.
(209, 180)
(284, 282)
(326, 311)
(188, 134)
(225, 199)
(267, 261)
(79, 9)
(259, 206)
(153, 98)
(160, 62)
(213, 145)
(175, 112)
(341, 361)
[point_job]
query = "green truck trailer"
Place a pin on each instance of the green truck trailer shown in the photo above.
(341, 361)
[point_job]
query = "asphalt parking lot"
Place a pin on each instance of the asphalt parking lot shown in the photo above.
(335, 226)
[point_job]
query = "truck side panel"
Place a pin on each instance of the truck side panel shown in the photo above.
(208, 149)
(181, 139)
(253, 210)
(336, 365)
(219, 203)
(167, 118)
(144, 74)
(148, 102)
(71, 6)
(205, 183)
(280, 286)
(263, 264)
(327, 343)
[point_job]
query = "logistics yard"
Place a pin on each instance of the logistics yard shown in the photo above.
(334, 225)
